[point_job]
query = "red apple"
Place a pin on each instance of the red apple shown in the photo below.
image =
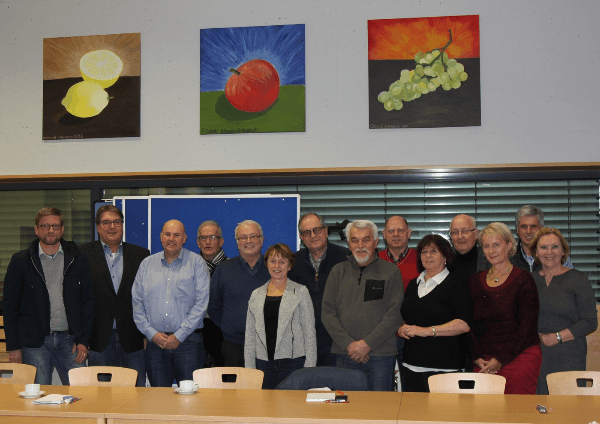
(253, 87)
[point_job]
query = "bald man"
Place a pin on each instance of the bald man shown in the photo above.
(469, 257)
(170, 297)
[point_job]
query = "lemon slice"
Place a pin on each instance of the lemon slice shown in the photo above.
(101, 66)
(85, 99)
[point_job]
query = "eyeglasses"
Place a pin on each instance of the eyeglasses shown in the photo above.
(46, 227)
(429, 252)
(392, 231)
(316, 231)
(455, 233)
(209, 238)
(252, 237)
(107, 224)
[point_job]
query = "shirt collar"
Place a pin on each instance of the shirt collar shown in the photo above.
(402, 255)
(106, 246)
(60, 249)
(175, 261)
(436, 279)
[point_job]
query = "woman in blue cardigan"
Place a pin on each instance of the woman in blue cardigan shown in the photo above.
(280, 325)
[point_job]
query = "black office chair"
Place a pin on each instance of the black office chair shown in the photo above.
(334, 378)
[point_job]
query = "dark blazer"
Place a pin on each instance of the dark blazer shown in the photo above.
(27, 302)
(109, 305)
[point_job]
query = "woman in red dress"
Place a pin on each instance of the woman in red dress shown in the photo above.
(505, 309)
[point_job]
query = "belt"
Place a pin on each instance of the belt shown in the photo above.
(197, 330)
(59, 332)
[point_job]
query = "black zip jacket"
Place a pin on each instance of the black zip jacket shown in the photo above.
(27, 302)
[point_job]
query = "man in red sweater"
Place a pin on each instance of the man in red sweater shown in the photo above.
(396, 235)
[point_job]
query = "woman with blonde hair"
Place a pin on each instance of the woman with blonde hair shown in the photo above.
(505, 314)
(567, 307)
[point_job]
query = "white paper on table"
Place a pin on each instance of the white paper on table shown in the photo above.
(320, 396)
(50, 400)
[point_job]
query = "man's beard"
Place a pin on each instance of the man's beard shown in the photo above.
(361, 261)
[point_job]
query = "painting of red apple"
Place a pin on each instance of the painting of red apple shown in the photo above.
(252, 79)
(253, 87)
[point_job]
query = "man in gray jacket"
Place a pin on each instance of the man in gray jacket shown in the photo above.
(361, 308)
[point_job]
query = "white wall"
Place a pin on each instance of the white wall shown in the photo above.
(539, 69)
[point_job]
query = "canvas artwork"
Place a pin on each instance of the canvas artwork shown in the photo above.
(424, 72)
(252, 79)
(91, 87)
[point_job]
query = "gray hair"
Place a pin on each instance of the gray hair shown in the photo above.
(359, 224)
(213, 223)
(306, 215)
(248, 222)
(529, 210)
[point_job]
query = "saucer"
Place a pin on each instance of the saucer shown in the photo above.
(181, 392)
(37, 395)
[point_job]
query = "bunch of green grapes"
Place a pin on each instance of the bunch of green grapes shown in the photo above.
(433, 70)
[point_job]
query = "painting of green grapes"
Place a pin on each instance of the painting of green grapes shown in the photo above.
(424, 72)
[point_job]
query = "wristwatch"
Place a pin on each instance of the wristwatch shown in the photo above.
(558, 337)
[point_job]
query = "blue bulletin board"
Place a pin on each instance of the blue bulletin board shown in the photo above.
(145, 216)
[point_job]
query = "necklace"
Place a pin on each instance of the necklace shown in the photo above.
(495, 277)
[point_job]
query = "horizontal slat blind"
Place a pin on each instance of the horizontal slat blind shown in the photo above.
(571, 206)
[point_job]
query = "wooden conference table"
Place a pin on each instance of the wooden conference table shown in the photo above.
(158, 405)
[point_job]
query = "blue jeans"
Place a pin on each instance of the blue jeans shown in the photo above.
(165, 366)
(277, 370)
(115, 356)
(55, 352)
(379, 370)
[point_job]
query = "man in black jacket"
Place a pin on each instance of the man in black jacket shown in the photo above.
(49, 302)
(115, 339)
(312, 268)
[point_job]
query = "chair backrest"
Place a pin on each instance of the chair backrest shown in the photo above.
(212, 378)
(484, 383)
(565, 383)
(334, 378)
(21, 373)
(88, 376)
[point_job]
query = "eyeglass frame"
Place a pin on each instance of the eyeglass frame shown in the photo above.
(316, 231)
(251, 237)
(212, 238)
(46, 227)
(116, 223)
(454, 233)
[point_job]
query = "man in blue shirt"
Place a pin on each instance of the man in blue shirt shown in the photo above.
(170, 296)
(231, 286)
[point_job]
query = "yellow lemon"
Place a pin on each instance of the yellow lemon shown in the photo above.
(101, 66)
(85, 99)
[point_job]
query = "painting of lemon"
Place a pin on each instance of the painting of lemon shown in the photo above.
(85, 99)
(101, 66)
(81, 76)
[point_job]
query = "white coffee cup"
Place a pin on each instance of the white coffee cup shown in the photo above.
(32, 389)
(187, 385)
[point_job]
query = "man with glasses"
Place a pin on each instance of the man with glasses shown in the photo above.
(529, 220)
(115, 340)
(231, 286)
(396, 235)
(469, 257)
(170, 296)
(49, 302)
(210, 241)
(313, 265)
